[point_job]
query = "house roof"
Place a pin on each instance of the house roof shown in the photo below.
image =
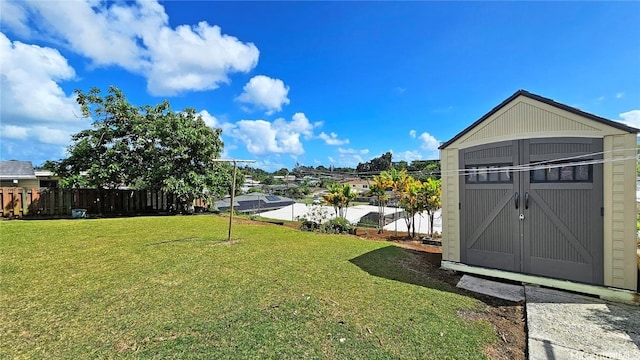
(16, 170)
(253, 202)
(547, 101)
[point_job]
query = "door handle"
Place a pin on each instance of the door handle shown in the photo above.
(526, 200)
(516, 199)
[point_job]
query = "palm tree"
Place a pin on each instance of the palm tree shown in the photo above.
(333, 198)
(412, 203)
(348, 196)
(381, 184)
(339, 196)
(432, 199)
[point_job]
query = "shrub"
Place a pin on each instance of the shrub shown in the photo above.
(315, 217)
(317, 220)
(338, 225)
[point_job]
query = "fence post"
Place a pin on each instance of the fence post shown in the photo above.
(21, 197)
(52, 198)
(29, 197)
(13, 204)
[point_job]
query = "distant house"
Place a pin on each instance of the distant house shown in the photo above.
(311, 181)
(358, 185)
(47, 179)
(249, 184)
(285, 178)
(253, 203)
(14, 173)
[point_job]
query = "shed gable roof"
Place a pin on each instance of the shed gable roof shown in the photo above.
(568, 123)
(18, 170)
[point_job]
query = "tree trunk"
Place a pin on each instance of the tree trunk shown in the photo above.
(409, 220)
(431, 214)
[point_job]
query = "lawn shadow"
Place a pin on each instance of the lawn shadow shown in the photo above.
(405, 265)
(417, 268)
(408, 266)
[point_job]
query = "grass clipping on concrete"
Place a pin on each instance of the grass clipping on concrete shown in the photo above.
(161, 287)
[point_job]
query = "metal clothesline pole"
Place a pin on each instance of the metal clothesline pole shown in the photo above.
(233, 186)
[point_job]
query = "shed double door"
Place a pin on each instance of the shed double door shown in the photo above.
(534, 206)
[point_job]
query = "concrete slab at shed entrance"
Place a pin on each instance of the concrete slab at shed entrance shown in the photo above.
(496, 289)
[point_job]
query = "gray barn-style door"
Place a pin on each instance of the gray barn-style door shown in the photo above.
(545, 221)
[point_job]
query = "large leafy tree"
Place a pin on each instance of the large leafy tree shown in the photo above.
(145, 147)
(381, 163)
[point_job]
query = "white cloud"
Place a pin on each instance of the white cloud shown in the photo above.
(429, 142)
(14, 132)
(350, 157)
(408, 156)
(332, 139)
(31, 73)
(631, 118)
(262, 137)
(349, 160)
(353, 151)
(14, 17)
(619, 95)
(54, 136)
(269, 164)
(208, 119)
(195, 58)
(265, 93)
(138, 38)
(299, 123)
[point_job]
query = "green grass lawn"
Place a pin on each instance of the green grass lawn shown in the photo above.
(172, 287)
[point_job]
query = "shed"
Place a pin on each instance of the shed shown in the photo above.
(536, 190)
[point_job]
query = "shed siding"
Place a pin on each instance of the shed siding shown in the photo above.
(526, 118)
(450, 213)
(620, 211)
(23, 183)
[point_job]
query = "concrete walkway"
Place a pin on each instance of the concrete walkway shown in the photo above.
(563, 325)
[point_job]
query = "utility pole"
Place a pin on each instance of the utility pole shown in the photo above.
(233, 186)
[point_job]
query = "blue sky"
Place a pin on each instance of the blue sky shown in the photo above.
(315, 83)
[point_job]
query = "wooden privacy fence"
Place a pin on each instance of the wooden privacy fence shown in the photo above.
(18, 202)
